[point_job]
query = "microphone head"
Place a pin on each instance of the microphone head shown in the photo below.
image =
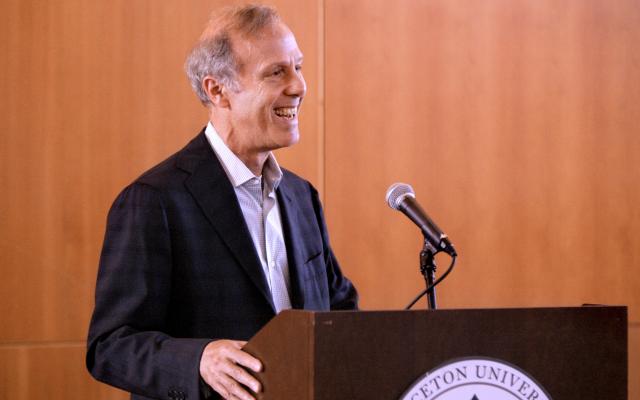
(397, 192)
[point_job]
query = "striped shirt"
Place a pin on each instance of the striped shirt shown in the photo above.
(259, 203)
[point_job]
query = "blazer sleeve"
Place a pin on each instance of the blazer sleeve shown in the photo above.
(128, 346)
(342, 293)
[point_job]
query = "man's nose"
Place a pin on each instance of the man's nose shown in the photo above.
(297, 86)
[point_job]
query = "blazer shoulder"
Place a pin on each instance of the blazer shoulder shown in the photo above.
(177, 167)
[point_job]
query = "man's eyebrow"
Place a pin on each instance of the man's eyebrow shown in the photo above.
(298, 60)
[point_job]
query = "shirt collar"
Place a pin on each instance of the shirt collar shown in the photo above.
(236, 170)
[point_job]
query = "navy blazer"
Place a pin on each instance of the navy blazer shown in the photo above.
(178, 269)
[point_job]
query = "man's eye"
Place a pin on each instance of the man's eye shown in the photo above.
(277, 72)
(298, 67)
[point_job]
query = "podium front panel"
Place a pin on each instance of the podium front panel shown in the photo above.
(573, 353)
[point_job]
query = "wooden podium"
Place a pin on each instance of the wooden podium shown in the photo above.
(575, 353)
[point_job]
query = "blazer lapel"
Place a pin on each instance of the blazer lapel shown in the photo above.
(290, 215)
(210, 187)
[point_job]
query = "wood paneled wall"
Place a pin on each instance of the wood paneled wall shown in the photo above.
(93, 94)
(516, 122)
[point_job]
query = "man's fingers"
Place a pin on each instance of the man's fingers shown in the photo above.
(233, 389)
(238, 344)
(242, 376)
(222, 366)
(245, 359)
(221, 390)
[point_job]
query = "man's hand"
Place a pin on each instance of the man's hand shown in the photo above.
(221, 367)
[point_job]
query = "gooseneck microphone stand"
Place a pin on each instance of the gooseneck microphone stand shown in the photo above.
(428, 270)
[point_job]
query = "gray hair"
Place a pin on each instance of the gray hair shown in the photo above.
(213, 53)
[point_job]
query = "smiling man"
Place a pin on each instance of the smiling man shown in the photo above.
(206, 247)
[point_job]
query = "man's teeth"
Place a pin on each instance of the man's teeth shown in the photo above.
(286, 112)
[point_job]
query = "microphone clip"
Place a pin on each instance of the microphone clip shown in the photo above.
(428, 270)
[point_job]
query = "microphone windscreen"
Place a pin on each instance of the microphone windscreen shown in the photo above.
(397, 192)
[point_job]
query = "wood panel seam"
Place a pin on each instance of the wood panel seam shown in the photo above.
(321, 102)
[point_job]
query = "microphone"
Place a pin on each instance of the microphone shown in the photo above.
(401, 196)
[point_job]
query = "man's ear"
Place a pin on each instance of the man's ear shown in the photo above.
(216, 92)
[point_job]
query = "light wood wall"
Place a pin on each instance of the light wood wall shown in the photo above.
(516, 122)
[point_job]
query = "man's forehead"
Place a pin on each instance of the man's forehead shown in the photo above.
(270, 45)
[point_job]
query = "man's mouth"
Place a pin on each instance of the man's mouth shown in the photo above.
(286, 112)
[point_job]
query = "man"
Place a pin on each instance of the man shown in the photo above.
(205, 248)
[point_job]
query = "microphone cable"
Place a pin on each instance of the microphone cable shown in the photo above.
(427, 290)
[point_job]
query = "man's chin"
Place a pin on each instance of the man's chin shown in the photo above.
(288, 139)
